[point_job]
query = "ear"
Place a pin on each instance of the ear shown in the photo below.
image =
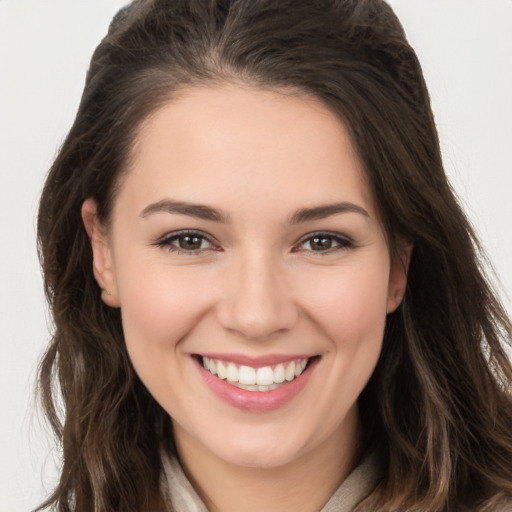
(398, 276)
(103, 267)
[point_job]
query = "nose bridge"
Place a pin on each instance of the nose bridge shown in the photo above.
(257, 302)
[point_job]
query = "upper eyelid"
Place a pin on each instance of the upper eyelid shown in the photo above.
(330, 234)
(168, 237)
(344, 243)
(174, 234)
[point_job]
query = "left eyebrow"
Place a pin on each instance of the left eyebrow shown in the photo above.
(199, 211)
(323, 211)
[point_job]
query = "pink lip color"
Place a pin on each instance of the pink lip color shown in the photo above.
(256, 401)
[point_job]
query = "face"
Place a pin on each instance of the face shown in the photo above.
(245, 239)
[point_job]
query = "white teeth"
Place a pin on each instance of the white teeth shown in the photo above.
(222, 372)
(279, 374)
(247, 387)
(265, 378)
(247, 376)
(290, 371)
(232, 373)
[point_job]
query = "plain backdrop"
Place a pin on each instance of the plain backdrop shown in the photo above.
(465, 47)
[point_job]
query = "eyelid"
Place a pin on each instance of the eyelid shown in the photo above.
(344, 242)
(166, 241)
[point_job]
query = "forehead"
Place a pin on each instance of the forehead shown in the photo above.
(226, 143)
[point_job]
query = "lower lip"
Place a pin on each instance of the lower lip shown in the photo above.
(256, 401)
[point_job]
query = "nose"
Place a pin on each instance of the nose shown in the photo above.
(257, 300)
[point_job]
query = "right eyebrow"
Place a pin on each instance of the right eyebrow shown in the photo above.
(323, 211)
(199, 211)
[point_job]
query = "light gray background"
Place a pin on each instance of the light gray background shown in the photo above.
(466, 50)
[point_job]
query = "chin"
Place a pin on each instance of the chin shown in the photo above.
(253, 453)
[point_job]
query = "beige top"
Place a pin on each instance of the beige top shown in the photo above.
(354, 489)
(357, 486)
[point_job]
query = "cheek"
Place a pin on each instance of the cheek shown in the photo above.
(350, 310)
(350, 305)
(159, 305)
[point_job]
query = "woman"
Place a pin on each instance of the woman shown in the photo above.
(265, 293)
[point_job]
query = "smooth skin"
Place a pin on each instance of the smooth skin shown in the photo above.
(260, 270)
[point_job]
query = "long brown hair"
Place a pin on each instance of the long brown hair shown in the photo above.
(438, 407)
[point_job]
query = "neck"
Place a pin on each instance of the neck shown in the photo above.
(306, 483)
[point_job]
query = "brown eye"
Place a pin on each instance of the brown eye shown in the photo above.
(321, 243)
(325, 242)
(190, 242)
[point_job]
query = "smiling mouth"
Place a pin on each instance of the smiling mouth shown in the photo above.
(261, 379)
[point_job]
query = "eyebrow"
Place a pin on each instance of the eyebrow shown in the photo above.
(323, 211)
(199, 211)
(204, 212)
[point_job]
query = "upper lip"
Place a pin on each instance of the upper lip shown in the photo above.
(256, 361)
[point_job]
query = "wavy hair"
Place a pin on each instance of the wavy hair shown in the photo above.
(438, 406)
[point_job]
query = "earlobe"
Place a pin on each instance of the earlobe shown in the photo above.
(398, 276)
(103, 267)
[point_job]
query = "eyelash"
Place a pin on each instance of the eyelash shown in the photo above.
(343, 242)
(167, 242)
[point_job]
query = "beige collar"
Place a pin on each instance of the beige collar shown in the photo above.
(355, 488)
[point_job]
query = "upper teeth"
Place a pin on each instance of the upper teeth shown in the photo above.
(249, 376)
